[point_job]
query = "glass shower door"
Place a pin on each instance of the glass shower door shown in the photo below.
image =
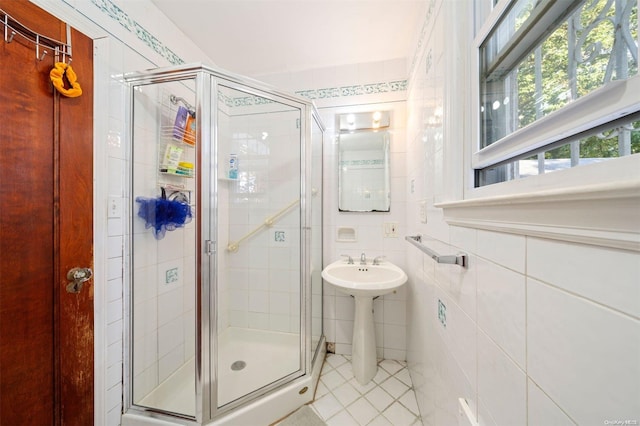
(163, 247)
(259, 256)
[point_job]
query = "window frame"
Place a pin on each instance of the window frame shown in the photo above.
(595, 204)
(616, 99)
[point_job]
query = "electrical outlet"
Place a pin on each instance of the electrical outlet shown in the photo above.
(423, 211)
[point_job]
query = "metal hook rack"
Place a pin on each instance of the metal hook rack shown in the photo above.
(44, 45)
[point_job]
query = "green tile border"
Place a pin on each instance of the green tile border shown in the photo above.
(128, 23)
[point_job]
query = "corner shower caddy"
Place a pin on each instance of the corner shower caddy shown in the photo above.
(197, 311)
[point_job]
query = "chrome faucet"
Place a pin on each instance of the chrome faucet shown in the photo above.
(363, 259)
(349, 258)
(377, 259)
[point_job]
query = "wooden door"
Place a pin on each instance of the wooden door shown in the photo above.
(46, 228)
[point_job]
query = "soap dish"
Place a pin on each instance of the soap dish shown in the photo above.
(346, 234)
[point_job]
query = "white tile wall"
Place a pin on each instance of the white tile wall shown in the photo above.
(586, 270)
(542, 410)
(264, 274)
(582, 354)
(501, 307)
(582, 314)
(537, 331)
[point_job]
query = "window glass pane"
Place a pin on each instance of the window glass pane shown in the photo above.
(532, 65)
(613, 143)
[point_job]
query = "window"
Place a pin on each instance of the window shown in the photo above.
(559, 86)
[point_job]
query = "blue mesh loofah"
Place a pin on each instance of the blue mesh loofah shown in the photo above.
(163, 215)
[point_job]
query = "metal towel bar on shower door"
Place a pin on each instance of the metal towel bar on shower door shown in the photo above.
(454, 259)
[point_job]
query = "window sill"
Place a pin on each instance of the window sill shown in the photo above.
(604, 213)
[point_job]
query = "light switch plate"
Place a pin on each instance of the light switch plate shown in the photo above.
(391, 230)
(423, 211)
(114, 208)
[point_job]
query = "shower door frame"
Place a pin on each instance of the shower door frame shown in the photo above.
(207, 80)
(250, 88)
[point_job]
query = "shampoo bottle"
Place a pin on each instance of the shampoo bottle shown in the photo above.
(233, 166)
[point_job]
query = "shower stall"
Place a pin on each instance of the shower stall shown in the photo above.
(225, 250)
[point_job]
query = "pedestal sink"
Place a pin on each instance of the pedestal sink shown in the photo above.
(364, 282)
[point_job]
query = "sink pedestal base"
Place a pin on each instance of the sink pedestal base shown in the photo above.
(363, 350)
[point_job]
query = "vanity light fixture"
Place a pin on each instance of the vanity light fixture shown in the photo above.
(363, 121)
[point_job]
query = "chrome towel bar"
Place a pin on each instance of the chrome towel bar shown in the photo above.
(454, 259)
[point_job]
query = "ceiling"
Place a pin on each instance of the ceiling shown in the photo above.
(260, 37)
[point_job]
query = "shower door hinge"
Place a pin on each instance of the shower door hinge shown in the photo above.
(209, 247)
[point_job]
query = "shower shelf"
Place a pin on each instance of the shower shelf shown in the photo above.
(170, 170)
(182, 175)
(169, 133)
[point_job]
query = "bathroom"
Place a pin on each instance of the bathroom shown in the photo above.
(543, 324)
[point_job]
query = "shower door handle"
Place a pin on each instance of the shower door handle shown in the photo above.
(77, 277)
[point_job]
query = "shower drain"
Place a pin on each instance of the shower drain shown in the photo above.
(238, 365)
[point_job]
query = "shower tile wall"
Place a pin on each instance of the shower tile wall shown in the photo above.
(263, 282)
(535, 331)
(357, 88)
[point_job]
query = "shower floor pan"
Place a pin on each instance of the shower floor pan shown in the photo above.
(248, 359)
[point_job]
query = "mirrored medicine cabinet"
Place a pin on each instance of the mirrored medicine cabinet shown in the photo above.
(363, 161)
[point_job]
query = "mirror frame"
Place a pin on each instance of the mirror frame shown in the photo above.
(366, 130)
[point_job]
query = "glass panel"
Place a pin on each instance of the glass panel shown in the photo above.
(364, 175)
(258, 264)
(600, 146)
(163, 247)
(316, 235)
(534, 64)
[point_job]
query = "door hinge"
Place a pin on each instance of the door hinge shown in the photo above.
(209, 247)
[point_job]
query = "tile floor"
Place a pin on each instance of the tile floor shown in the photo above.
(388, 399)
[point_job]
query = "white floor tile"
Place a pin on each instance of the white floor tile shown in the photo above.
(362, 411)
(379, 398)
(380, 421)
(343, 418)
(387, 400)
(346, 394)
(327, 406)
(346, 371)
(398, 415)
(409, 401)
(394, 386)
(321, 390)
(403, 376)
(381, 376)
(335, 360)
(332, 380)
(391, 366)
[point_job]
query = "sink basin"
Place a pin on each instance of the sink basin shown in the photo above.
(364, 280)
